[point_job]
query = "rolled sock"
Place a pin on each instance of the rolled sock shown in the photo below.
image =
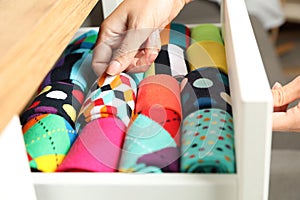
(177, 34)
(74, 65)
(206, 32)
(168, 119)
(64, 99)
(170, 61)
(48, 138)
(153, 138)
(160, 90)
(205, 88)
(97, 148)
(109, 96)
(206, 54)
(148, 147)
(208, 142)
(86, 40)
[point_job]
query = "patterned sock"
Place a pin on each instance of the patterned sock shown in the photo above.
(170, 61)
(48, 138)
(64, 99)
(177, 34)
(153, 138)
(208, 142)
(101, 125)
(109, 96)
(206, 32)
(205, 88)
(75, 63)
(97, 148)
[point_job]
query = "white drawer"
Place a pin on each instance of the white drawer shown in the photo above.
(252, 108)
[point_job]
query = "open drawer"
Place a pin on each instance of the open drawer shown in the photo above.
(252, 108)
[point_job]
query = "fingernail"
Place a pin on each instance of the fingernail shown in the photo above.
(113, 68)
(276, 85)
(152, 57)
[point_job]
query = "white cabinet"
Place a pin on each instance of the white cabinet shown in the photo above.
(252, 108)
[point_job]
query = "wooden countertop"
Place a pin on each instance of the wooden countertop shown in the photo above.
(33, 34)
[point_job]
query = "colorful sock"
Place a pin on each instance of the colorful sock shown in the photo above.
(75, 63)
(97, 148)
(206, 32)
(48, 138)
(109, 96)
(177, 34)
(64, 99)
(208, 142)
(153, 138)
(206, 54)
(170, 61)
(205, 88)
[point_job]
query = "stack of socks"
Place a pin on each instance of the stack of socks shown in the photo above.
(152, 142)
(49, 121)
(207, 140)
(101, 125)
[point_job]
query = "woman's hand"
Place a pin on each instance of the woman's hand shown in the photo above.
(285, 119)
(129, 38)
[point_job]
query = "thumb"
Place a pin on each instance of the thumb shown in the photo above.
(283, 95)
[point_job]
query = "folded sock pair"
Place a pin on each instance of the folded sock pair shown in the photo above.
(101, 125)
(152, 140)
(207, 48)
(49, 121)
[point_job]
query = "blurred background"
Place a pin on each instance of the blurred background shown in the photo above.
(276, 25)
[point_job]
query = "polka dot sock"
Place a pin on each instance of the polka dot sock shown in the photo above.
(170, 61)
(208, 142)
(48, 138)
(177, 34)
(205, 88)
(64, 99)
(153, 138)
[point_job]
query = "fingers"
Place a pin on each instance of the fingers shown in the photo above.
(132, 45)
(287, 121)
(283, 95)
